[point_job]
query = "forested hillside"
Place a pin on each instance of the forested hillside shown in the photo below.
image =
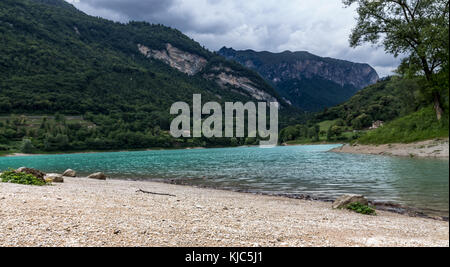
(384, 101)
(399, 103)
(121, 78)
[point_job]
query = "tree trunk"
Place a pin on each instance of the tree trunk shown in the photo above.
(436, 95)
(437, 105)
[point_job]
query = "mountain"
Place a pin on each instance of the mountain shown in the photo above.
(50, 47)
(307, 81)
(122, 77)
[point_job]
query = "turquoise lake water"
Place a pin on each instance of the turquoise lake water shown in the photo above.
(418, 183)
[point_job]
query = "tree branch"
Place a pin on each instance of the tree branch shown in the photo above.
(152, 193)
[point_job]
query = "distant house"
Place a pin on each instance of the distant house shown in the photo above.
(376, 125)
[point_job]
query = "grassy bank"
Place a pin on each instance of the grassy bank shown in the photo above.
(418, 126)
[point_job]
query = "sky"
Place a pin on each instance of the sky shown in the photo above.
(321, 27)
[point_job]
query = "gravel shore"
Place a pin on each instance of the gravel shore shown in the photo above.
(426, 149)
(84, 212)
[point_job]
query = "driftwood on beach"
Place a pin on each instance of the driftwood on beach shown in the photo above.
(153, 193)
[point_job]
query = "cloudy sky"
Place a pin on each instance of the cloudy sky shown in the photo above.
(321, 27)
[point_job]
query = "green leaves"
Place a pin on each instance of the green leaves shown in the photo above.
(417, 28)
(27, 146)
(360, 208)
(300, 132)
(21, 178)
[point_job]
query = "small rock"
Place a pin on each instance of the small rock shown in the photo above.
(346, 200)
(116, 232)
(54, 178)
(70, 173)
(98, 176)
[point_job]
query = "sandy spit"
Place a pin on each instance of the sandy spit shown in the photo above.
(84, 212)
(438, 148)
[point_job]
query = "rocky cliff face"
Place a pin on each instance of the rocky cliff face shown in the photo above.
(302, 75)
(226, 77)
(192, 64)
(185, 62)
(357, 75)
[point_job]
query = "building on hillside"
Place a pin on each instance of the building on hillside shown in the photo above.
(376, 125)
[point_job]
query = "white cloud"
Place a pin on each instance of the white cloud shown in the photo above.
(321, 27)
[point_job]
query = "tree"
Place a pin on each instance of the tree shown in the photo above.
(333, 131)
(313, 133)
(60, 118)
(415, 28)
(362, 121)
(27, 146)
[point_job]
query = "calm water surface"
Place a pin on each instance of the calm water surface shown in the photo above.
(416, 183)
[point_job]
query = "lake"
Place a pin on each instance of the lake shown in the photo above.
(417, 183)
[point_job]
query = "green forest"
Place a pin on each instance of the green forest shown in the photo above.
(56, 61)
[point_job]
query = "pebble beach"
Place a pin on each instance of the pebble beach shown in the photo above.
(86, 212)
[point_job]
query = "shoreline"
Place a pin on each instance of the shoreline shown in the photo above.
(384, 206)
(96, 152)
(18, 154)
(437, 149)
(431, 149)
(390, 207)
(86, 212)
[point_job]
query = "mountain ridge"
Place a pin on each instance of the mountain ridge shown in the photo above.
(290, 72)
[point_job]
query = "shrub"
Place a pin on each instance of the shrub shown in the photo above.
(362, 121)
(21, 178)
(27, 146)
(4, 147)
(360, 208)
